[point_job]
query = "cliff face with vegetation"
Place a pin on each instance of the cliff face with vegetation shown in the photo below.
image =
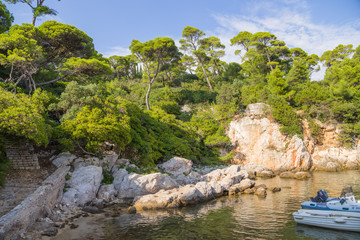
(257, 138)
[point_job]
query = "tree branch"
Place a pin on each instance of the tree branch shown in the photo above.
(52, 81)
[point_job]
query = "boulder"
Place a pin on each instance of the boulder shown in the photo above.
(132, 185)
(266, 174)
(63, 159)
(84, 184)
(108, 161)
(226, 174)
(302, 175)
(177, 166)
(244, 184)
(261, 186)
(107, 192)
(257, 170)
(275, 189)
(83, 162)
(183, 196)
(249, 191)
(287, 175)
(261, 192)
(191, 178)
(336, 158)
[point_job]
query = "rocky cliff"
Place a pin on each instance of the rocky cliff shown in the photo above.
(256, 138)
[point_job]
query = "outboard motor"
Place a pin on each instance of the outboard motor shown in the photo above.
(321, 196)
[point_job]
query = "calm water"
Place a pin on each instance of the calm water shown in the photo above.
(240, 217)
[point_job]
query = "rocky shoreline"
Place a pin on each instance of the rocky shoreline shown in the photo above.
(177, 184)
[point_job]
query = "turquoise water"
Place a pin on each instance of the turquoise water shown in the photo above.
(239, 217)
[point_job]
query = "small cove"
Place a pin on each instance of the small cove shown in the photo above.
(234, 217)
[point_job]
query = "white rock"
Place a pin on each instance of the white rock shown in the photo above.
(336, 158)
(108, 161)
(107, 192)
(257, 108)
(176, 166)
(83, 162)
(259, 140)
(84, 184)
(132, 185)
(63, 159)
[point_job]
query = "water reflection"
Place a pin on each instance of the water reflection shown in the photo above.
(243, 217)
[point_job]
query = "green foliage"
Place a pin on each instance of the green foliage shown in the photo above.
(315, 128)
(284, 113)
(253, 94)
(106, 120)
(209, 128)
(6, 18)
(86, 69)
(228, 157)
(349, 134)
(108, 178)
(25, 116)
(74, 98)
(4, 162)
(28, 50)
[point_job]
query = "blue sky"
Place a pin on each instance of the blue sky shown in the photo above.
(314, 25)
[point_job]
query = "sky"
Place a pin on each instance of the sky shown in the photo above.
(313, 25)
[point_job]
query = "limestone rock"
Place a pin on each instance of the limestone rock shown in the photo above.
(302, 175)
(249, 191)
(108, 161)
(261, 192)
(107, 192)
(259, 140)
(245, 184)
(177, 166)
(84, 184)
(266, 174)
(132, 185)
(257, 109)
(63, 159)
(297, 155)
(242, 186)
(275, 189)
(336, 158)
(257, 170)
(287, 175)
(83, 162)
(183, 196)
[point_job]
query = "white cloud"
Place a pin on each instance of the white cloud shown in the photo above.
(118, 50)
(292, 24)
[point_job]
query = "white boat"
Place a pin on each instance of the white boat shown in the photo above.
(346, 202)
(348, 221)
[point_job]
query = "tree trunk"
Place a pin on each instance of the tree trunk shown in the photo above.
(217, 68)
(163, 80)
(268, 57)
(206, 76)
(33, 21)
(147, 96)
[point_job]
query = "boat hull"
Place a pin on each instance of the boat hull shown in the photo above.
(333, 205)
(329, 219)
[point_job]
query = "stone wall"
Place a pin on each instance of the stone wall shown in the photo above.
(36, 205)
(22, 155)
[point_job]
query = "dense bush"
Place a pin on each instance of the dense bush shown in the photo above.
(285, 114)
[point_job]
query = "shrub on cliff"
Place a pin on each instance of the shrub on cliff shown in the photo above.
(285, 114)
